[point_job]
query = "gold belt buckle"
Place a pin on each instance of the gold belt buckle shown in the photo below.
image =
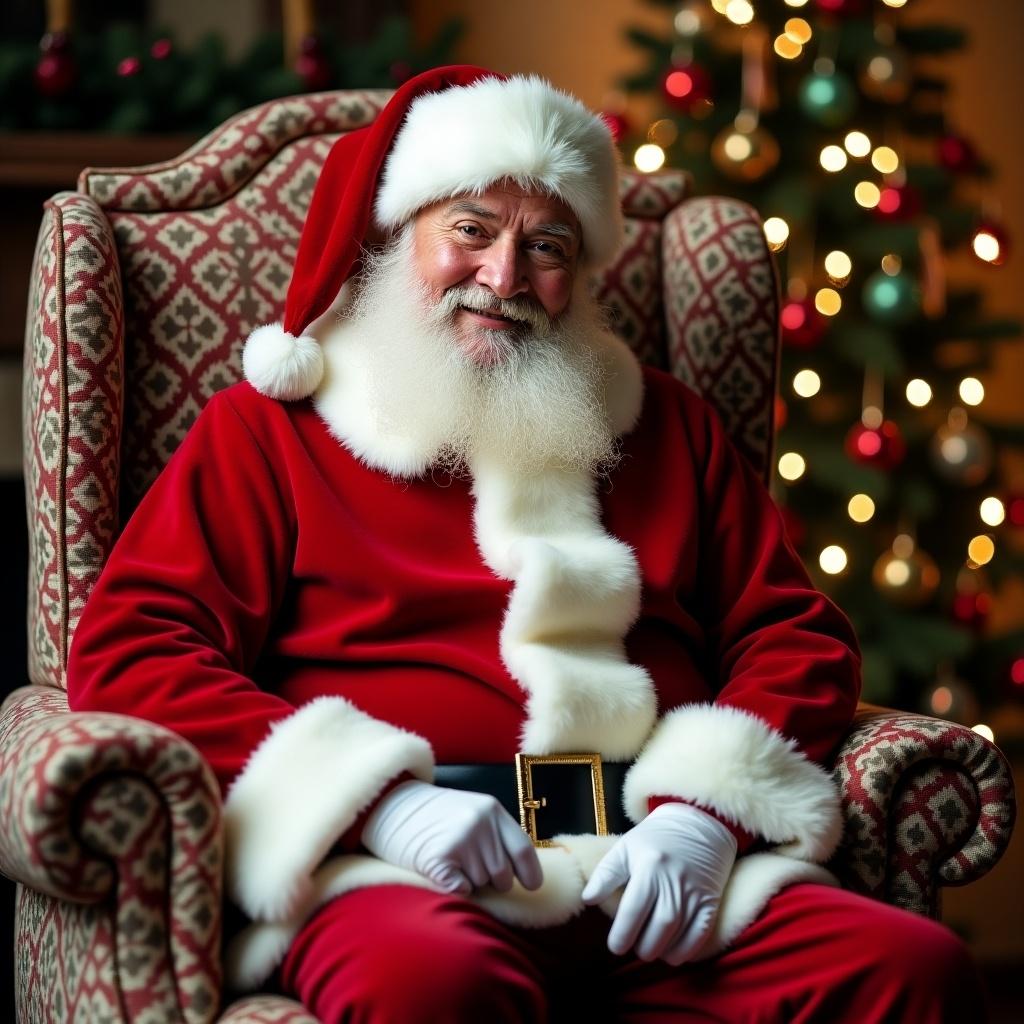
(530, 802)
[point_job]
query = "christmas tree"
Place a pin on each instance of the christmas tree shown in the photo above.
(820, 115)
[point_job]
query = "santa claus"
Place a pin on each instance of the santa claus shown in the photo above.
(449, 557)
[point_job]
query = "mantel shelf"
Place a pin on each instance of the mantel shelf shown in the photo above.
(53, 159)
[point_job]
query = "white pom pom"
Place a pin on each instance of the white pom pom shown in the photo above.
(281, 366)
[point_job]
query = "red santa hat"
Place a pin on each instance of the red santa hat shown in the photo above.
(450, 131)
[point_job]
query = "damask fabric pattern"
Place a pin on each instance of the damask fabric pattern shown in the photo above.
(113, 829)
(721, 311)
(926, 803)
(266, 1010)
(72, 388)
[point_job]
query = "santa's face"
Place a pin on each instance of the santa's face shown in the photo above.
(515, 250)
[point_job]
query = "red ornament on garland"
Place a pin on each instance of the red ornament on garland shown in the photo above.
(957, 154)
(882, 447)
(617, 124)
(312, 66)
(686, 85)
(898, 202)
(802, 325)
(400, 71)
(129, 67)
(56, 71)
(161, 49)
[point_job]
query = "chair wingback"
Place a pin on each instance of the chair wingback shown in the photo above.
(148, 280)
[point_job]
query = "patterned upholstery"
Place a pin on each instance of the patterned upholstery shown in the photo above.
(146, 282)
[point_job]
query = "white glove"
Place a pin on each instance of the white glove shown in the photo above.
(459, 840)
(674, 865)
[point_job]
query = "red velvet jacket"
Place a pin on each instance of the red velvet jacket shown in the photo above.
(267, 566)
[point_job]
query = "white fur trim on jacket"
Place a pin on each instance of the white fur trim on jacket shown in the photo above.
(736, 764)
(577, 592)
(279, 365)
(465, 138)
(255, 952)
(303, 786)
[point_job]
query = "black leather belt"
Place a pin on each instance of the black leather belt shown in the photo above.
(549, 794)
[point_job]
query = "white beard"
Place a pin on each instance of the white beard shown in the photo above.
(541, 405)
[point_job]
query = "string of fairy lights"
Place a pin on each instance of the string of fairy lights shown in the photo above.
(959, 450)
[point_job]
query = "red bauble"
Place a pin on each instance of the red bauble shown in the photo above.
(972, 610)
(844, 7)
(617, 124)
(957, 154)
(686, 85)
(161, 49)
(882, 447)
(1017, 672)
(129, 67)
(312, 66)
(1014, 505)
(56, 71)
(802, 325)
(899, 202)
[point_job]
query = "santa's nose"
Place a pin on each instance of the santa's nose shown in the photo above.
(501, 269)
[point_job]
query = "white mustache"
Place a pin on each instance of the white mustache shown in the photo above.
(526, 311)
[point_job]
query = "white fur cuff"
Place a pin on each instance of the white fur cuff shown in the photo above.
(739, 766)
(302, 788)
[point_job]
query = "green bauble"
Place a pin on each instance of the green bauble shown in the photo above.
(892, 298)
(828, 100)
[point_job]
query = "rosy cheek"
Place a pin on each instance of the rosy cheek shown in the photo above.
(451, 264)
(556, 291)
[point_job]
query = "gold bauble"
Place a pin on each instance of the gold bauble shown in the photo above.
(907, 580)
(746, 153)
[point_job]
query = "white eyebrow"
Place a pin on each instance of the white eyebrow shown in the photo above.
(558, 228)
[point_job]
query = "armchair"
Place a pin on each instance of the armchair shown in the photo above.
(145, 283)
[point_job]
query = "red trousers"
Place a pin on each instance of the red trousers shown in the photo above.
(402, 955)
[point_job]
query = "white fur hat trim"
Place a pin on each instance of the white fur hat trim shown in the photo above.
(466, 138)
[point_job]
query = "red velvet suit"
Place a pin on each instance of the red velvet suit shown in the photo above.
(267, 566)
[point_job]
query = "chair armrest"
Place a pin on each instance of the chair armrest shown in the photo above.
(103, 808)
(926, 803)
(56, 765)
(266, 1010)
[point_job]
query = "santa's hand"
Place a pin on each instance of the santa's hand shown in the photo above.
(459, 840)
(674, 866)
